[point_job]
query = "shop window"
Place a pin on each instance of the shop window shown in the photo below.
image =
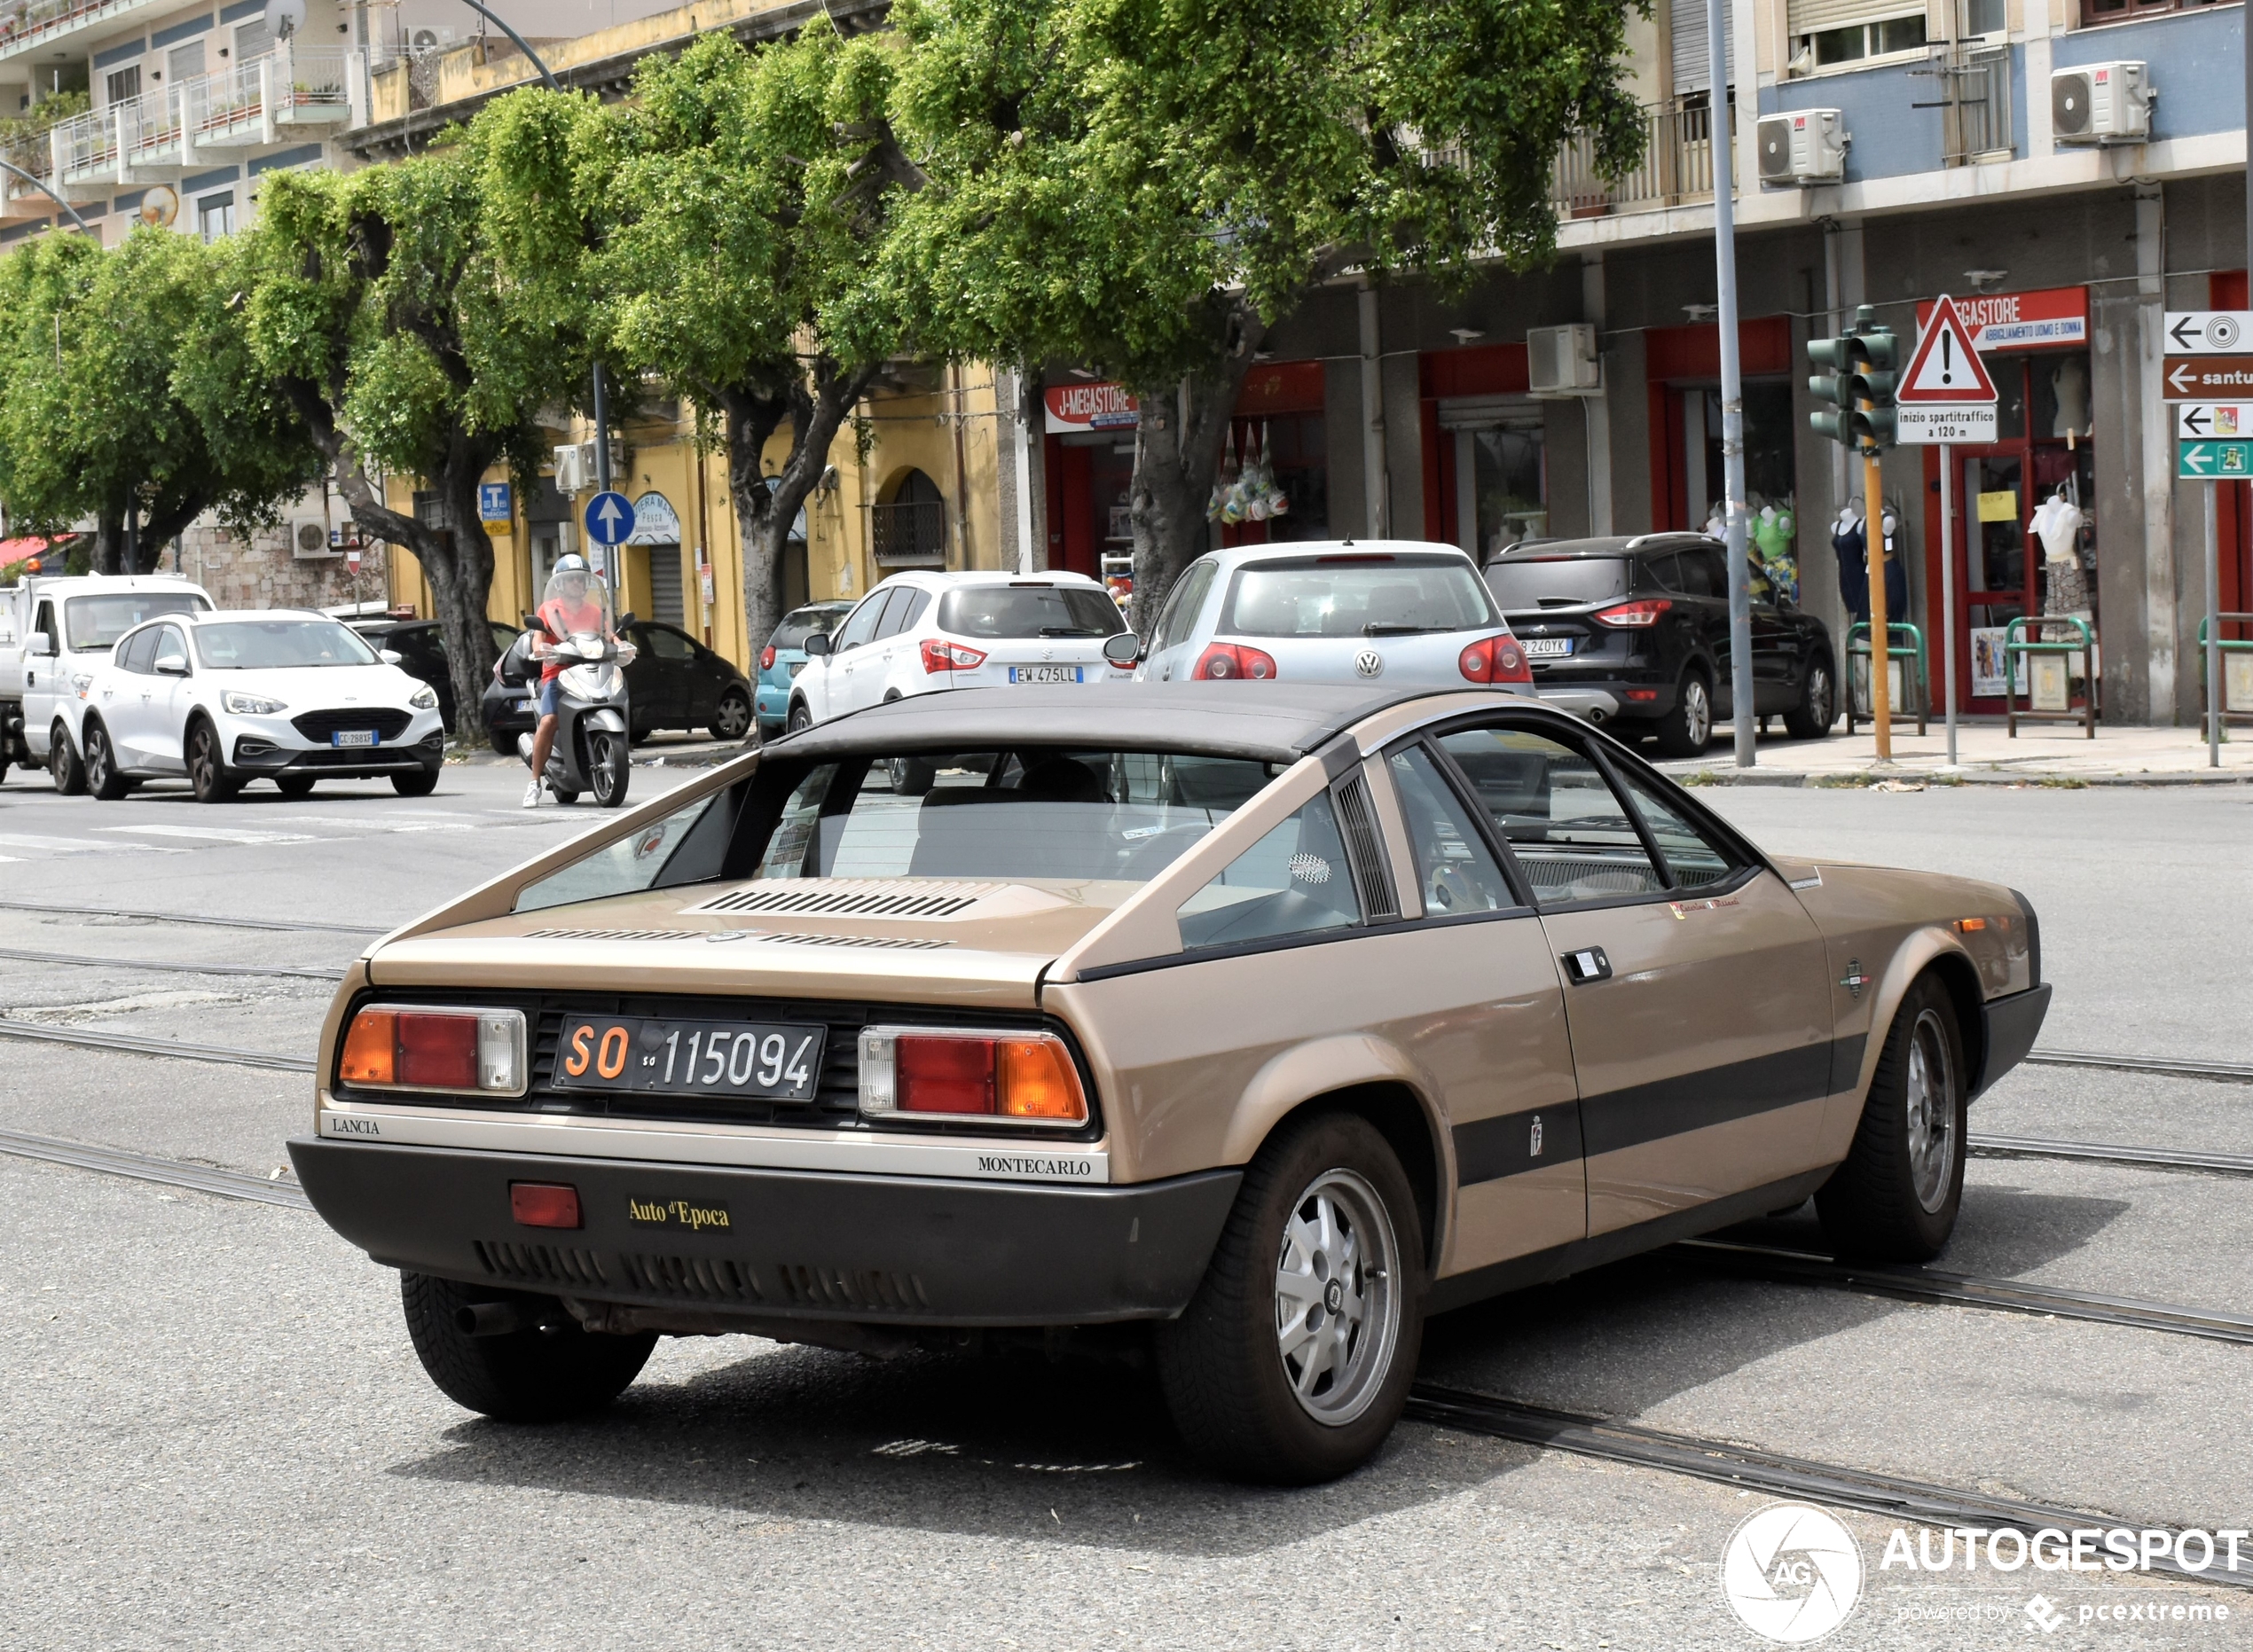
(1492, 473)
(910, 525)
(1770, 479)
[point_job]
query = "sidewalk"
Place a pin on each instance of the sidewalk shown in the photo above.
(2051, 754)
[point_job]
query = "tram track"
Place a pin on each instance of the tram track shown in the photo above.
(2228, 1072)
(291, 926)
(2110, 1153)
(131, 1044)
(144, 1167)
(167, 965)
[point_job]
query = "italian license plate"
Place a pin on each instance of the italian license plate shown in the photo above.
(766, 1061)
(353, 737)
(523, 705)
(1047, 674)
(1545, 647)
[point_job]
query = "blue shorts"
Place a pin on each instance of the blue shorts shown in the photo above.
(551, 690)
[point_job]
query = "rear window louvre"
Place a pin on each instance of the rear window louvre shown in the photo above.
(1366, 850)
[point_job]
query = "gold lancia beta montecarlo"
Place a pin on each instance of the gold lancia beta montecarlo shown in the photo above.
(1271, 1018)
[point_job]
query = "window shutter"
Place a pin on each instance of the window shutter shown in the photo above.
(1812, 17)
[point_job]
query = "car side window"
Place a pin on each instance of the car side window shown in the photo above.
(139, 653)
(1454, 867)
(1704, 572)
(169, 641)
(669, 645)
(1663, 571)
(1693, 858)
(1182, 608)
(1568, 831)
(862, 623)
(1293, 881)
(907, 605)
(46, 623)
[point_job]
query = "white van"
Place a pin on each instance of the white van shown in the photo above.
(54, 631)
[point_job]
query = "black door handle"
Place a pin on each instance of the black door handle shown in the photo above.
(1586, 965)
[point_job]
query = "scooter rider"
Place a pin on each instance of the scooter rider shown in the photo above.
(567, 609)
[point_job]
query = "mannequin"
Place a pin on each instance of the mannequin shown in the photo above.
(1854, 565)
(2057, 521)
(1773, 532)
(1896, 572)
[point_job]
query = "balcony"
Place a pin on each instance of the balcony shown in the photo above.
(22, 202)
(273, 101)
(912, 530)
(28, 25)
(1676, 168)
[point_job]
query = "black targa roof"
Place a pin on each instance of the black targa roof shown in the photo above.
(1265, 722)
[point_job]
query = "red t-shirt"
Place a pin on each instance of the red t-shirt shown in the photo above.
(562, 621)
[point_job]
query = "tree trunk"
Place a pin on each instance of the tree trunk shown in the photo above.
(107, 555)
(167, 520)
(1177, 458)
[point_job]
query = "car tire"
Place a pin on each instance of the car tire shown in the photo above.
(550, 1372)
(1896, 1196)
(208, 775)
(733, 720)
(1685, 730)
(1819, 702)
(419, 783)
(63, 764)
(799, 717)
(1233, 1387)
(912, 777)
(102, 776)
(504, 745)
(294, 785)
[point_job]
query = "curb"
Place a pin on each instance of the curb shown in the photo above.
(1857, 779)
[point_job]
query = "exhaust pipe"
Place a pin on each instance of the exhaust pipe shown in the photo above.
(494, 1319)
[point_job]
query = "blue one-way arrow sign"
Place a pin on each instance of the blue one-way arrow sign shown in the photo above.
(609, 519)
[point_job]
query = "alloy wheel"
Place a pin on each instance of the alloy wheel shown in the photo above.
(734, 717)
(1337, 1305)
(1931, 1110)
(1697, 711)
(1818, 695)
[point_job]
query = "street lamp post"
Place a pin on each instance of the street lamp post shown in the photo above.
(14, 170)
(1733, 387)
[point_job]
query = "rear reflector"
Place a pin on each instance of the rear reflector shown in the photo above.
(392, 1048)
(544, 1204)
(1028, 1077)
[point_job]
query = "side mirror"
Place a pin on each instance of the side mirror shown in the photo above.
(816, 645)
(172, 665)
(390, 657)
(532, 622)
(40, 643)
(625, 618)
(1124, 651)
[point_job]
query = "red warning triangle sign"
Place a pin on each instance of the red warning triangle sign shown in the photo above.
(1945, 367)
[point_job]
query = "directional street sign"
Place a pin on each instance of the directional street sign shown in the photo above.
(1946, 394)
(2197, 421)
(2205, 378)
(2208, 461)
(2209, 332)
(609, 519)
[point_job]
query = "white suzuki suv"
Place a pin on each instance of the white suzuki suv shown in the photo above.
(925, 630)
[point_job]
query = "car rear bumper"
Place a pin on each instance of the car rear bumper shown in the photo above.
(1591, 705)
(905, 1250)
(1633, 697)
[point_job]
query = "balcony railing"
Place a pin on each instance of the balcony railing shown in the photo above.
(1677, 167)
(25, 23)
(174, 128)
(1978, 118)
(912, 531)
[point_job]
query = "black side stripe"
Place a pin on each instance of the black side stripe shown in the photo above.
(1489, 1148)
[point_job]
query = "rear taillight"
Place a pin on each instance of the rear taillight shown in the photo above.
(1225, 662)
(1494, 660)
(941, 655)
(1631, 616)
(393, 1048)
(1026, 1077)
(766, 658)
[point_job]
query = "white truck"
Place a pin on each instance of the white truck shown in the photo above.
(55, 630)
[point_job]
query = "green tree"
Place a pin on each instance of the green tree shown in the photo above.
(377, 306)
(95, 417)
(727, 223)
(1148, 186)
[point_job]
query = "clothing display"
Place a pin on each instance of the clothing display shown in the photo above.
(1849, 541)
(2057, 521)
(2069, 384)
(1773, 534)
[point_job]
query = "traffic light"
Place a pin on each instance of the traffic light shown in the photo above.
(1863, 367)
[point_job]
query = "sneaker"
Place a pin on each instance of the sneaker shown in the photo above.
(533, 794)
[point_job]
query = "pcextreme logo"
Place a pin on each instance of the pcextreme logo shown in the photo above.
(1791, 1573)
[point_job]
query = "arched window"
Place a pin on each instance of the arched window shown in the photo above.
(910, 526)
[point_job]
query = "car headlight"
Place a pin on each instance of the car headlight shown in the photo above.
(424, 698)
(251, 705)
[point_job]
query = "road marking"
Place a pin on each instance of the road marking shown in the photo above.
(80, 846)
(218, 833)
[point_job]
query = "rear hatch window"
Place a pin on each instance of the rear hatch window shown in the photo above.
(1520, 583)
(1028, 611)
(1372, 594)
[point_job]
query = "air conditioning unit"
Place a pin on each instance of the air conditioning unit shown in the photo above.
(2102, 103)
(1562, 361)
(309, 539)
(1802, 147)
(576, 468)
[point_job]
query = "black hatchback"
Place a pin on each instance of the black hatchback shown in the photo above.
(1646, 620)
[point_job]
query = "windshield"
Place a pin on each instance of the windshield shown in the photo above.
(95, 622)
(801, 623)
(1355, 594)
(575, 603)
(1028, 611)
(1030, 812)
(1555, 582)
(280, 645)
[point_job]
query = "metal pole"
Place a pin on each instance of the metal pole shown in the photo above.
(602, 467)
(1733, 387)
(14, 170)
(1948, 595)
(1881, 623)
(2213, 628)
(501, 23)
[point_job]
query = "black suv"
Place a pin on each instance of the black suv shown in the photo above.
(1646, 620)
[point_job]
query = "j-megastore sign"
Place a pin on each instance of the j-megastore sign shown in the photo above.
(1097, 405)
(2051, 317)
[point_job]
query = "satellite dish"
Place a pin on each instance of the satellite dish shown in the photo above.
(284, 18)
(160, 206)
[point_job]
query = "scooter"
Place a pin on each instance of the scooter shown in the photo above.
(591, 752)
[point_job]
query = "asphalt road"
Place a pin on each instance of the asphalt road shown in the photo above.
(217, 1435)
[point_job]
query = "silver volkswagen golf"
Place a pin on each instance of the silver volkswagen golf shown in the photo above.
(1401, 612)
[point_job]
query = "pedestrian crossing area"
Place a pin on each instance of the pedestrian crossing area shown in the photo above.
(143, 837)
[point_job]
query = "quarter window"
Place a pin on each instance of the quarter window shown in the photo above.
(1571, 835)
(1693, 859)
(1454, 867)
(862, 625)
(1293, 881)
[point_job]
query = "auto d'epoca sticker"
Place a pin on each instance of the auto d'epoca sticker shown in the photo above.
(691, 1215)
